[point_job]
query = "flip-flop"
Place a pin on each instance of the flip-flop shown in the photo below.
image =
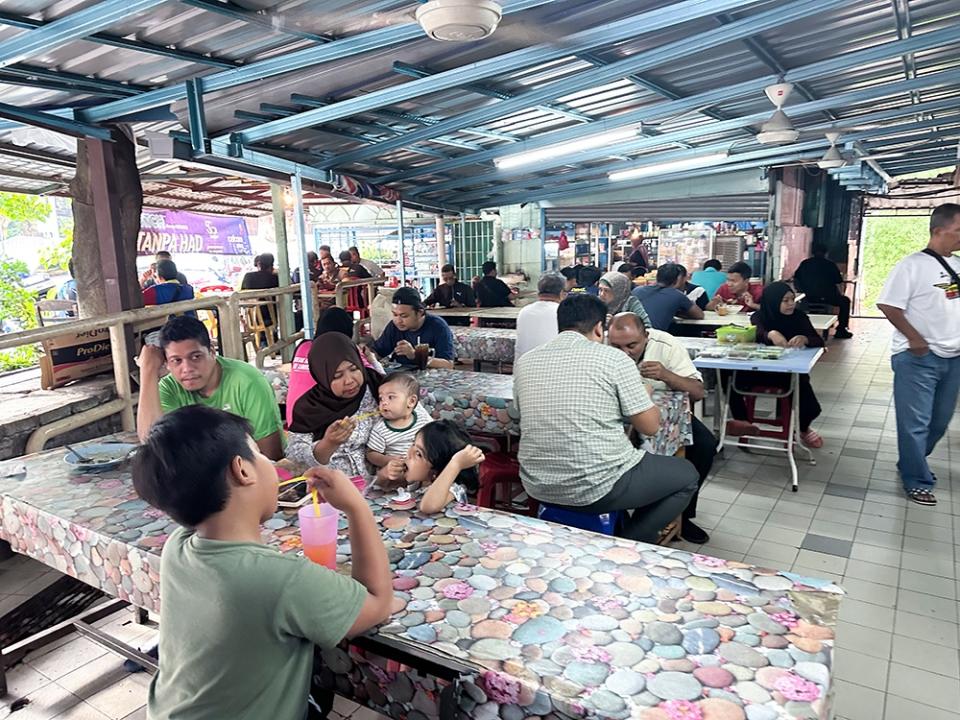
(812, 439)
(922, 497)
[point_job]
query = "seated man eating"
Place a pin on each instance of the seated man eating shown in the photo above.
(198, 376)
(412, 326)
(665, 365)
(574, 394)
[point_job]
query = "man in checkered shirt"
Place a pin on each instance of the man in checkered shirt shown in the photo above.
(574, 395)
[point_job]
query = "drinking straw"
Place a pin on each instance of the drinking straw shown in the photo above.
(291, 481)
(316, 503)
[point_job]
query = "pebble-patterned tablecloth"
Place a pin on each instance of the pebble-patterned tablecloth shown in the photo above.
(490, 344)
(482, 403)
(555, 622)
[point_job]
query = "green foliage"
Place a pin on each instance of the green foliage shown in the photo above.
(16, 303)
(57, 257)
(886, 241)
(21, 357)
(23, 208)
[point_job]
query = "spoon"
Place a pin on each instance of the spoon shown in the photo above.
(80, 457)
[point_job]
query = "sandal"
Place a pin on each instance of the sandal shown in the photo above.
(922, 497)
(812, 439)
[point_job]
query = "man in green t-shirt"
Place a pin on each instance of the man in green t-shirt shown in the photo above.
(238, 620)
(198, 376)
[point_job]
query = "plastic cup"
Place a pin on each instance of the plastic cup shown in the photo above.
(318, 534)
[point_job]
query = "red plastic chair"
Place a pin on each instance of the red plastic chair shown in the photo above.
(500, 484)
(784, 410)
(357, 302)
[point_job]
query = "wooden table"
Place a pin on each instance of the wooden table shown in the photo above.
(501, 615)
(821, 323)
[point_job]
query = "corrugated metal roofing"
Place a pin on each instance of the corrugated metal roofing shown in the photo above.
(210, 36)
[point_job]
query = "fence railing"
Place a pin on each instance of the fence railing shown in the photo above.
(230, 335)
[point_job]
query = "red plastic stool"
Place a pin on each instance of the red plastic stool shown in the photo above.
(356, 302)
(784, 410)
(500, 483)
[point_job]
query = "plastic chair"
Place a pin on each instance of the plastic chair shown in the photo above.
(603, 523)
(500, 484)
(784, 409)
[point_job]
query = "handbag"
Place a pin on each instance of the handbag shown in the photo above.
(946, 266)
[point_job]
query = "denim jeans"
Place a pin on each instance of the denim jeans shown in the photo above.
(925, 393)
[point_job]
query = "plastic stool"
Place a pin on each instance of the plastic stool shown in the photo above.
(603, 523)
(784, 410)
(500, 483)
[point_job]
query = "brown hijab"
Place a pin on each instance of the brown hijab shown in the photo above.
(318, 408)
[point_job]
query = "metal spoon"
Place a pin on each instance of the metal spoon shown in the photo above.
(80, 457)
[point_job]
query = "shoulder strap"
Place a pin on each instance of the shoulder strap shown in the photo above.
(946, 266)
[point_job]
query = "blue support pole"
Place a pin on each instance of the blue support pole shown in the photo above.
(198, 120)
(402, 240)
(290, 62)
(71, 27)
(639, 24)
(300, 227)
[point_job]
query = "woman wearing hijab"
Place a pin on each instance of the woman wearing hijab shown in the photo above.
(331, 422)
(615, 290)
(780, 323)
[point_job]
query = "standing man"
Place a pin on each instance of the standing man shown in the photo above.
(665, 364)
(491, 290)
(537, 322)
(822, 282)
(579, 456)
(451, 292)
(921, 299)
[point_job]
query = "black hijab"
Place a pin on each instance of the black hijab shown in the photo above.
(318, 408)
(769, 317)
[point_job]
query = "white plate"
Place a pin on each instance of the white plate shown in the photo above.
(106, 455)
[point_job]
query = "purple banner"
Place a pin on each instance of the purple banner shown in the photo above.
(184, 232)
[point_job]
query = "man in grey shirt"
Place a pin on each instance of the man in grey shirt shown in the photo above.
(574, 395)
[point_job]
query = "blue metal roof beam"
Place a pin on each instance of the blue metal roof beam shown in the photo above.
(603, 184)
(416, 71)
(121, 42)
(901, 14)
(661, 55)
(75, 25)
(639, 144)
(56, 123)
(528, 183)
(768, 57)
(938, 38)
(458, 77)
(263, 18)
(78, 83)
(289, 62)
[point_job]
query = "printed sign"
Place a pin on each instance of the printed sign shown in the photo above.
(182, 233)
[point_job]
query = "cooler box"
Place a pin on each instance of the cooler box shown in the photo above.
(737, 334)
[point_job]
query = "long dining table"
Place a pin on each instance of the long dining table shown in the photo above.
(494, 615)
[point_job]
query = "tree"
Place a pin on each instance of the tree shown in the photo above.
(57, 257)
(886, 241)
(18, 208)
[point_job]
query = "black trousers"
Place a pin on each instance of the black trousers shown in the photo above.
(657, 489)
(809, 409)
(700, 454)
(841, 301)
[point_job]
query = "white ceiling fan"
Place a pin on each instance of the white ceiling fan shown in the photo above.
(779, 129)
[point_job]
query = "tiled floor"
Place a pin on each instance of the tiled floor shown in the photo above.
(898, 645)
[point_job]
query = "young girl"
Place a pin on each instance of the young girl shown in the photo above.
(443, 459)
(780, 323)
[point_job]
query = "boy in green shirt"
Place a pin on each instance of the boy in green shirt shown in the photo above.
(238, 620)
(198, 376)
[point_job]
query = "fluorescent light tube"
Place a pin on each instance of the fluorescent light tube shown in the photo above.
(667, 167)
(567, 148)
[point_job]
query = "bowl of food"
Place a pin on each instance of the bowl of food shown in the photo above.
(99, 456)
(722, 310)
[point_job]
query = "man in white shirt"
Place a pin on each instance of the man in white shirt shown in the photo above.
(665, 364)
(921, 298)
(537, 322)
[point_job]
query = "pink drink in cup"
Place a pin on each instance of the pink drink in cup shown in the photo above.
(319, 534)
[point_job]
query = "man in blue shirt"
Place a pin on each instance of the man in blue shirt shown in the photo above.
(710, 278)
(412, 326)
(663, 301)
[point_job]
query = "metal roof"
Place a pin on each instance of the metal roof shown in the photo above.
(355, 88)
